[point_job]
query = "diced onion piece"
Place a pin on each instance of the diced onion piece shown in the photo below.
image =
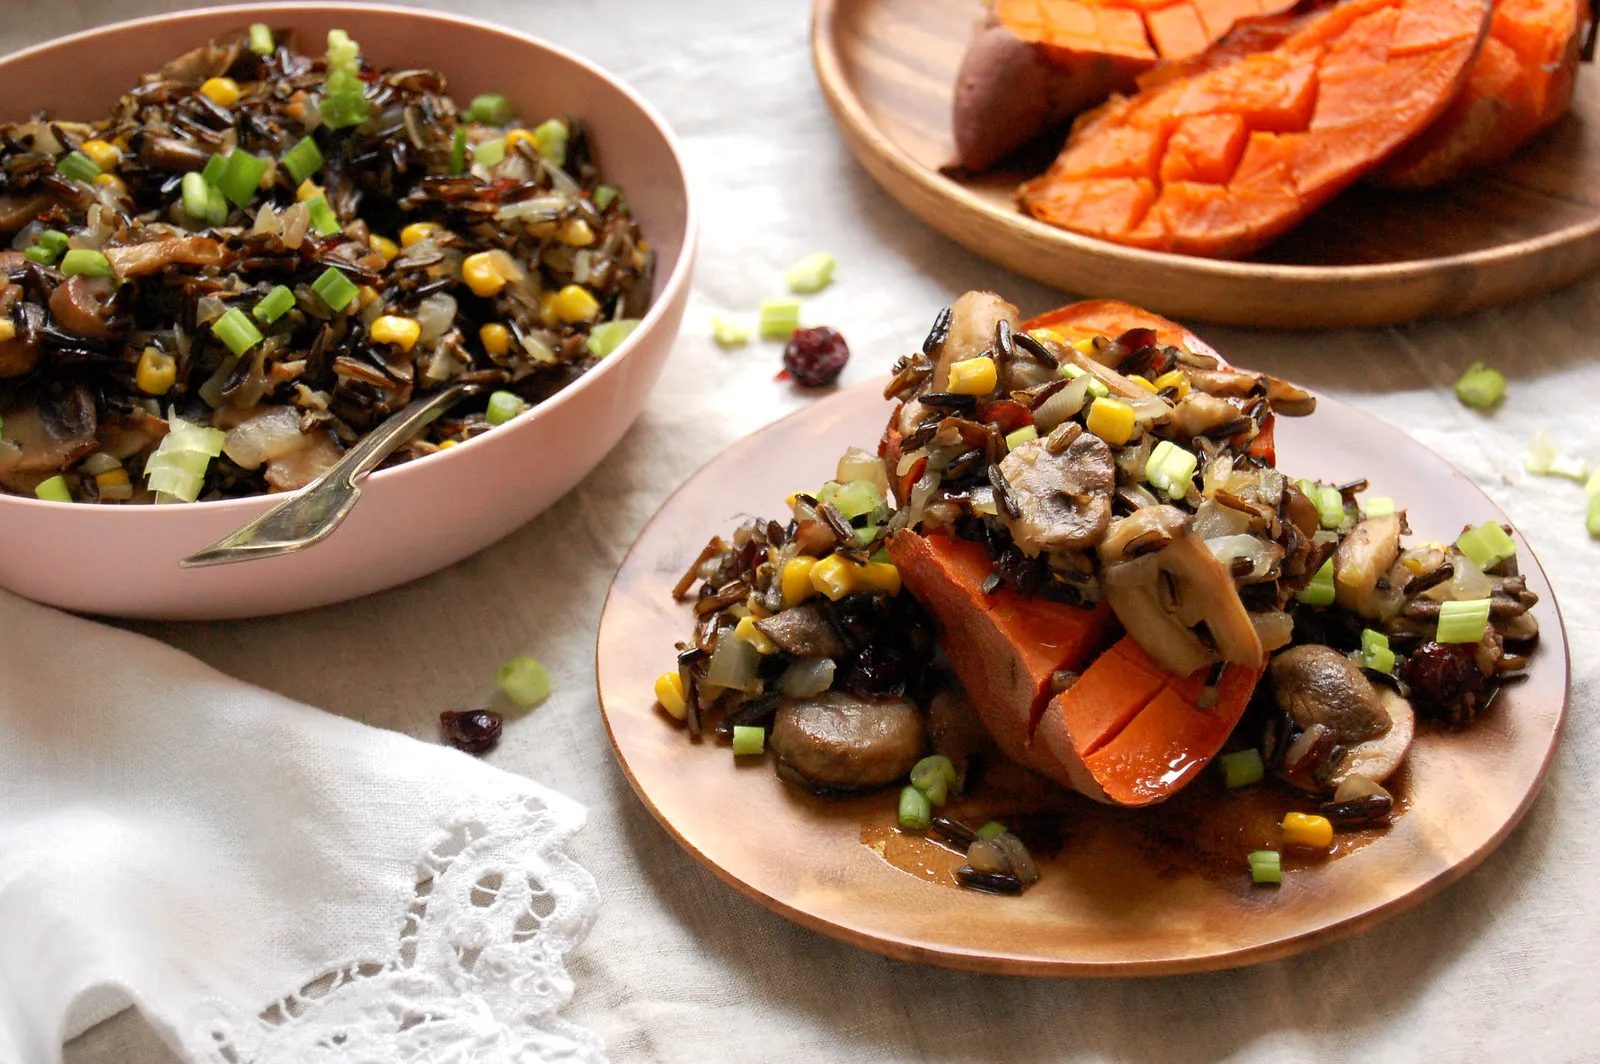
(273, 433)
(859, 464)
(524, 680)
(806, 677)
(1463, 621)
(533, 209)
(1063, 405)
(733, 663)
(436, 315)
(1260, 555)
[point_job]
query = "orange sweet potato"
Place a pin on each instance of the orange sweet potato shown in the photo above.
(1521, 83)
(1260, 138)
(1002, 646)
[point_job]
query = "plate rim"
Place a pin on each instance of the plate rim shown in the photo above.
(873, 148)
(962, 959)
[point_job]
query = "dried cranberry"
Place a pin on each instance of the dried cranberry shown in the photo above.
(880, 669)
(472, 730)
(815, 357)
(1445, 682)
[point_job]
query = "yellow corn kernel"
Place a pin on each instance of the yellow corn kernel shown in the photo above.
(1302, 829)
(385, 247)
(308, 190)
(835, 577)
(574, 304)
(879, 576)
(8, 330)
(393, 329)
(113, 478)
(517, 136)
(1047, 333)
(224, 92)
(104, 153)
(1085, 346)
(669, 692)
(974, 376)
(1141, 382)
(447, 444)
(367, 295)
(796, 580)
(481, 274)
(496, 338)
(155, 372)
(113, 182)
(120, 142)
(746, 629)
(1111, 421)
(547, 308)
(575, 232)
(1173, 378)
(417, 232)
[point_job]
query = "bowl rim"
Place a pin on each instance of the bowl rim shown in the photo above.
(676, 280)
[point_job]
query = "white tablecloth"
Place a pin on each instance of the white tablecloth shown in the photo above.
(679, 967)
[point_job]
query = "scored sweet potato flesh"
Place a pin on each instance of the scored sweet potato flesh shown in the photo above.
(1137, 31)
(1220, 157)
(1521, 82)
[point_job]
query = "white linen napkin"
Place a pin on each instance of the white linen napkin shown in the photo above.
(264, 881)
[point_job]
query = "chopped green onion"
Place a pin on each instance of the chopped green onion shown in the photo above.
(1569, 466)
(344, 101)
(991, 829)
(1487, 545)
(78, 166)
(749, 740)
(274, 305)
(212, 171)
(1266, 866)
(916, 812)
(1330, 507)
(866, 534)
(729, 333)
(503, 406)
(323, 220)
(1320, 592)
(335, 288)
(303, 160)
(196, 196)
(1591, 487)
(342, 51)
(241, 177)
(1541, 453)
(812, 273)
(261, 42)
(491, 109)
(43, 256)
(1379, 506)
(458, 151)
(934, 775)
(489, 153)
(54, 241)
(1097, 387)
(603, 196)
(1242, 768)
(524, 680)
(604, 338)
(1021, 436)
(1481, 387)
(54, 490)
(1463, 621)
(1375, 652)
(1170, 469)
(1592, 519)
(779, 318)
(550, 138)
(237, 331)
(87, 263)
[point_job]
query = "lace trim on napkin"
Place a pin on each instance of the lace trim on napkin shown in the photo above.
(479, 970)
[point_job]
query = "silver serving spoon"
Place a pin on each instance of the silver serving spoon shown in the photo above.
(309, 516)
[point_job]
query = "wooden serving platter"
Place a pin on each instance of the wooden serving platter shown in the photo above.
(1125, 894)
(1372, 257)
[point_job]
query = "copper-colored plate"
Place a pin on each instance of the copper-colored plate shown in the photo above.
(1372, 257)
(1107, 909)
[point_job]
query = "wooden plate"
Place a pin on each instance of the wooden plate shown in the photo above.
(1372, 257)
(1108, 908)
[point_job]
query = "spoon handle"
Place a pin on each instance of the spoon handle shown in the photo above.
(310, 515)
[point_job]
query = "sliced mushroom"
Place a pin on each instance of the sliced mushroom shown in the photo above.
(1150, 528)
(79, 306)
(1063, 501)
(1361, 558)
(1290, 400)
(1377, 759)
(1133, 591)
(1205, 585)
(299, 468)
(17, 211)
(803, 632)
(973, 318)
(838, 742)
(954, 728)
(152, 256)
(1316, 684)
(46, 439)
(19, 354)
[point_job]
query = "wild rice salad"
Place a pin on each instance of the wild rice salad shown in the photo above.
(262, 253)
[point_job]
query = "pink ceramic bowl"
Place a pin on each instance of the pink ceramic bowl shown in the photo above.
(419, 517)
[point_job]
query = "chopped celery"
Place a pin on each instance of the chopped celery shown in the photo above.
(490, 108)
(605, 337)
(303, 160)
(855, 499)
(1375, 652)
(342, 51)
(916, 812)
(458, 151)
(603, 196)
(1266, 866)
(524, 680)
(237, 331)
(212, 171)
(274, 305)
(1320, 592)
(729, 333)
(550, 138)
(749, 740)
(1487, 545)
(85, 262)
(261, 42)
(1592, 519)
(866, 535)
(1021, 436)
(1330, 507)
(812, 273)
(1379, 506)
(1242, 768)
(503, 406)
(323, 220)
(54, 490)
(1170, 469)
(1463, 621)
(991, 829)
(1097, 387)
(779, 318)
(241, 177)
(335, 288)
(78, 166)
(1591, 487)
(1481, 387)
(1569, 466)
(489, 153)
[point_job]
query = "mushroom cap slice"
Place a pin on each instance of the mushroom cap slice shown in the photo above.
(1377, 759)
(1316, 684)
(840, 742)
(1063, 500)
